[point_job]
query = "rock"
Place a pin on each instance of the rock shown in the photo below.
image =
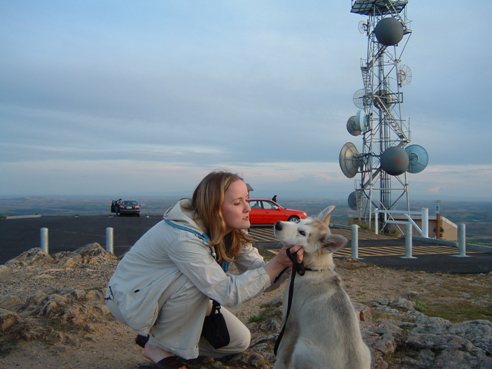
(409, 294)
(363, 312)
(478, 332)
(8, 319)
(32, 256)
(10, 302)
(384, 337)
(91, 249)
(69, 259)
(427, 342)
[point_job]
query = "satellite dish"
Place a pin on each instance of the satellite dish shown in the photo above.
(394, 161)
(362, 120)
(353, 127)
(349, 160)
(404, 75)
(418, 158)
(358, 123)
(361, 99)
(363, 26)
(389, 31)
(354, 200)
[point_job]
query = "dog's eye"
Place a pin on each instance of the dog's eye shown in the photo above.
(302, 233)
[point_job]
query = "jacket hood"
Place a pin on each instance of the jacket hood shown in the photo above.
(179, 213)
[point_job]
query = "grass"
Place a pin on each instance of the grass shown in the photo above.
(256, 319)
(420, 306)
(267, 311)
(460, 312)
(455, 313)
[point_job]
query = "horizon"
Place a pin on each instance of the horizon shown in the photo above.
(171, 196)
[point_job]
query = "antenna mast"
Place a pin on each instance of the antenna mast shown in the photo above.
(385, 158)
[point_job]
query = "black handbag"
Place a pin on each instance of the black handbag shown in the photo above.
(215, 328)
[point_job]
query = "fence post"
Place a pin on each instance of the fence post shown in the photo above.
(355, 241)
(43, 233)
(109, 240)
(376, 221)
(462, 240)
(425, 222)
(408, 242)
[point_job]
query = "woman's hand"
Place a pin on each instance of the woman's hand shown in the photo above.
(281, 261)
(296, 250)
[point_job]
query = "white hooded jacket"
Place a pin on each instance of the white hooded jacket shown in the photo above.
(173, 248)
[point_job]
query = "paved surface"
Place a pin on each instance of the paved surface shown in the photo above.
(429, 255)
(69, 233)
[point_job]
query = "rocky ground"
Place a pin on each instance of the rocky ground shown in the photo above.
(52, 315)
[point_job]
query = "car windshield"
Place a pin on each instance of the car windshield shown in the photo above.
(130, 203)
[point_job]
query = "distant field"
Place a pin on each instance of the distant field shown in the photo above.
(476, 215)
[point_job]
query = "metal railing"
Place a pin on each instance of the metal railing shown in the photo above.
(389, 219)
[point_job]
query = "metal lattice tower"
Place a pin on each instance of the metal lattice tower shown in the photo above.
(384, 160)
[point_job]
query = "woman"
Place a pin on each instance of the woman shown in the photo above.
(163, 286)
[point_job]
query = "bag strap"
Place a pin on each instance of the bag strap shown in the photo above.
(215, 307)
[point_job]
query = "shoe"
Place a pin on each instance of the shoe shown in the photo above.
(170, 362)
(141, 340)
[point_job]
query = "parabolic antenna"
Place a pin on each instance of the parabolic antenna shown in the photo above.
(363, 26)
(418, 158)
(354, 200)
(352, 126)
(404, 75)
(394, 161)
(389, 31)
(358, 123)
(362, 120)
(349, 160)
(361, 99)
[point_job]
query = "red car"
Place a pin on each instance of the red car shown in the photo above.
(264, 211)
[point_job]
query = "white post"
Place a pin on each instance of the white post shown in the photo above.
(376, 221)
(408, 242)
(355, 241)
(462, 240)
(109, 240)
(44, 239)
(425, 222)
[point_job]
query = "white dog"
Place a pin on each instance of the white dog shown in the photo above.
(322, 330)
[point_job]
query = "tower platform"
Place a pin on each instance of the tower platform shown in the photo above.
(378, 7)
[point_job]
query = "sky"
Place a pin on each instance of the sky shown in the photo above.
(106, 97)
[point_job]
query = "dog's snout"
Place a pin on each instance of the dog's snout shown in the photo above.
(278, 226)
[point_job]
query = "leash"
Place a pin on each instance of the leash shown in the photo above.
(296, 268)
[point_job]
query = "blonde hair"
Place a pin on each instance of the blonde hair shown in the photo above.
(206, 203)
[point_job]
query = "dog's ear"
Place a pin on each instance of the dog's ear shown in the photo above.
(334, 242)
(325, 215)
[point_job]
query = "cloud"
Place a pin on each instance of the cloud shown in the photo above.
(143, 97)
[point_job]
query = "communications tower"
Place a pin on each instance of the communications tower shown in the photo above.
(386, 156)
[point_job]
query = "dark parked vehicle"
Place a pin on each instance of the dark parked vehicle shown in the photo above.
(126, 207)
